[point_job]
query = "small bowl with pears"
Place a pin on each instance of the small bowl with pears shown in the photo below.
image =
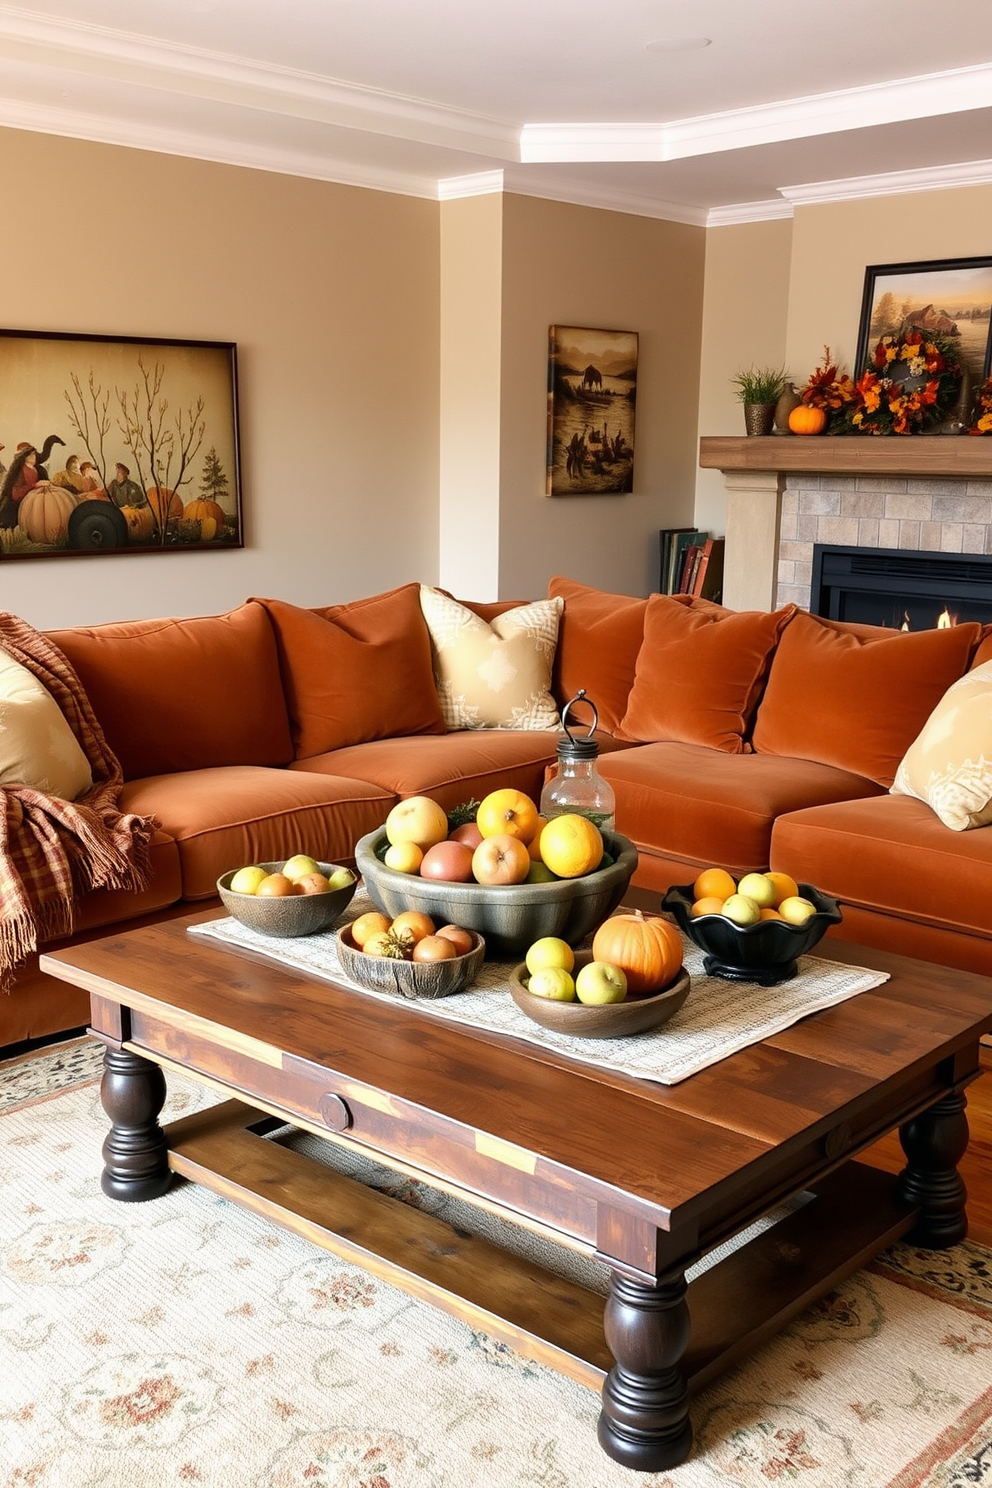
(305, 900)
(791, 919)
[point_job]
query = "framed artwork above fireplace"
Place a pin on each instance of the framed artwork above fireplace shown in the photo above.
(950, 296)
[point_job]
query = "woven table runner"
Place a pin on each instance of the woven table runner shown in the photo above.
(718, 1018)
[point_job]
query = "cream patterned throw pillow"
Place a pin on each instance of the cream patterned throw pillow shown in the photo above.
(498, 674)
(949, 766)
(37, 746)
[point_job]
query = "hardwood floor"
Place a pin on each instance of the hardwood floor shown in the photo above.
(976, 1169)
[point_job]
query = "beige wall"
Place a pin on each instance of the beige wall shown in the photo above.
(331, 294)
(833, 245)
(471, 358)
(583, 266)
(745, 316)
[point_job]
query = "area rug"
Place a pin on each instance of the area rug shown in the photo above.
(186, 1341)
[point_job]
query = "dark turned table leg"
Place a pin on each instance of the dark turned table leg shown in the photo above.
(135, 1151)
(644, 1423)
(934, 1143)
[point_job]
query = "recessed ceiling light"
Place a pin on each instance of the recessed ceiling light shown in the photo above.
(679, 44)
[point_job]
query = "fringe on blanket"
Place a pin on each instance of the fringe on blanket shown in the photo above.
(52, 850)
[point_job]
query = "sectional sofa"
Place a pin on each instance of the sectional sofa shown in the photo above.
(742, 739)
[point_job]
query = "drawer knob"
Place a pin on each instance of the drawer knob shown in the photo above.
(334, 1113)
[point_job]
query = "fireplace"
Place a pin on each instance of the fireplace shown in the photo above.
(901, 588)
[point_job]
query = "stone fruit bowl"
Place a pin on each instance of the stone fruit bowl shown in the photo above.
(298, 914)
(606, 1020)
(409, 978)
(510, 918)
(765, 953)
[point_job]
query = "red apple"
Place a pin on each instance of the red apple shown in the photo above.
(468, 833)
(449, 861)
(313, 883)
(501, 860)
(462, 940)
(434, 948)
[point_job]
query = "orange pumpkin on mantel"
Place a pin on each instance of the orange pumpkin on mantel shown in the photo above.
(648, 949)
(803, 420)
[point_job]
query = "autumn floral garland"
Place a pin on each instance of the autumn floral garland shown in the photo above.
(879, 403)
(983, 409)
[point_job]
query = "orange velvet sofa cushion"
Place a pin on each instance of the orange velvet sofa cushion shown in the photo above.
(187, 694)
(699, 673)
(356, 672)
(707, 807)
(891, 855)
(599, 638)
(854, 696)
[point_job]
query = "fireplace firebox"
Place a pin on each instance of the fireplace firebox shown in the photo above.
(900, 588)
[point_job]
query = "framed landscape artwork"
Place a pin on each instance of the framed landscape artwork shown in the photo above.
(592, 393)
(117, 445)
(951, 297)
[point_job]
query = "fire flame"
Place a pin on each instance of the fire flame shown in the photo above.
(946, 621)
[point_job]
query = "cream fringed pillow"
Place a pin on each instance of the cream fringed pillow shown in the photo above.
(949, 766)
(37, 746)
(493, 674)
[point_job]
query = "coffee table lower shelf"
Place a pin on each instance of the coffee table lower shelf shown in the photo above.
(735, 1306)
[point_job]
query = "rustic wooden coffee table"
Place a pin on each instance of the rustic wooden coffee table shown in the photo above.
(644, 1177)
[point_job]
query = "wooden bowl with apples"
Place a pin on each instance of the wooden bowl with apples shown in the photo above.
(598, 1020)
(299, 896)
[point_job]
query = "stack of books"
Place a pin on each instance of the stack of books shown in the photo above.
(691, 563)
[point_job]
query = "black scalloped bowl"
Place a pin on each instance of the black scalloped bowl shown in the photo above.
(765, 953)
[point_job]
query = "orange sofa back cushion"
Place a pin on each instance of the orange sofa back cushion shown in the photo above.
(599, 637)
(185, 694)
(699, 672)
(856, 696)
(356, 672)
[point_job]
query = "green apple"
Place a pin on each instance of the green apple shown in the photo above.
(540, 873)
(742, 910)
(299, 867)
(554, 983)
(796, 910)
(758, 887)
(247, 880)
(550, 954)
(340, 878)
(601, 981)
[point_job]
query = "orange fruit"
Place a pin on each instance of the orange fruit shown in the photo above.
(769, 914)
(714, 883)
(275, 886)
(414, 924)
(367, 925)
(507, 813)
(571, 845)
(709, 905)
(534, 845)
(785, 887)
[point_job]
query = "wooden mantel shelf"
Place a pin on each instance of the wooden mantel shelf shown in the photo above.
(959, 457)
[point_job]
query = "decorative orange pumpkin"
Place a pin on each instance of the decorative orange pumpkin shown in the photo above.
(648, 949)
(140, 523)
(165, 504)
(44, 513)
(209, 515)
(803, 420)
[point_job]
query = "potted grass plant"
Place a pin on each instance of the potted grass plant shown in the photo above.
(759, 389)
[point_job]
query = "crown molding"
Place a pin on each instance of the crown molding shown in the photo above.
(583, 194)
(921, 97)
(479, 183)
(771, 210)
(102, 51)
(892, 183)
(132, 134)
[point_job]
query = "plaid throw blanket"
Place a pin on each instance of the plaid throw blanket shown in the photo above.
(52, 850)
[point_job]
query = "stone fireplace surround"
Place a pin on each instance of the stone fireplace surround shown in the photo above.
(785, 493)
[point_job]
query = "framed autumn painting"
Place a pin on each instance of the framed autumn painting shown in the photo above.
(951, 297)
(117, 445)
(592, 393)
